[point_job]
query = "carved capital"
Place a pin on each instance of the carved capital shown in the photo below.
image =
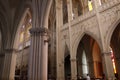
(106, 53)
(40, 31)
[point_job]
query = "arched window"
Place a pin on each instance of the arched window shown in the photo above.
(65, 11)
(113, 61)
(24, 32)
(90, 6)
(81, 7)
(84, 64)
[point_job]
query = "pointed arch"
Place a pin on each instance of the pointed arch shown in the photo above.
(19, 26)
(110, 32)
(67, 51)
(78, 39)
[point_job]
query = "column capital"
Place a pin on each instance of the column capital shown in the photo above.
(73, 59)
(106, 53)
(39, 30)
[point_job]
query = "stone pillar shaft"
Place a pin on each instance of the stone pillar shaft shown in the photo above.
(39, 46)
(38, 56)
(9, 64)
(107, 65)
(59, 24)
(73, 69)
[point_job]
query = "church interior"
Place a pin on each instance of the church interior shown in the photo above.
(59, 39)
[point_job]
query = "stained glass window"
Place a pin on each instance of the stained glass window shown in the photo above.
(24, 32)
(113, 61)
(90, 6)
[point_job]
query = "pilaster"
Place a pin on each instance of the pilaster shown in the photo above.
(107, 65)
(73, 69)
(9, 64)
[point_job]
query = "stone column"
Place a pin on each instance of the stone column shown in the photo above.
(73, 69)
(59, 24)
(9, 64)
(38, 54)
(107, 65)
(73, 57)
(39, 34)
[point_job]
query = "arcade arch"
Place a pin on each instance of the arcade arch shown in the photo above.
(115, 44)
(89, 58)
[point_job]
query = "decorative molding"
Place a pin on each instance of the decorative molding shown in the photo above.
(106, 54)
(40, 30)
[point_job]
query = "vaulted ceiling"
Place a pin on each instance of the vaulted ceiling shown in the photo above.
(11, 12)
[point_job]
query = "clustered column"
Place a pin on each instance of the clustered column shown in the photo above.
(73, 59)
(37, 69)
(39, 38)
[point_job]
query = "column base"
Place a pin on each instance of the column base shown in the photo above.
(75, 78)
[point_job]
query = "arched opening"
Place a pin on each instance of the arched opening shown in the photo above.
(89, 58)
(115, 56)
(80, 7)
(65, 11)
(67, 63)
(67, 68)
(22, 45)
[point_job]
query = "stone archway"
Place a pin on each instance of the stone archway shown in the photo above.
(115, 44)
(67, 67)
(67, 63)
(89, 58)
